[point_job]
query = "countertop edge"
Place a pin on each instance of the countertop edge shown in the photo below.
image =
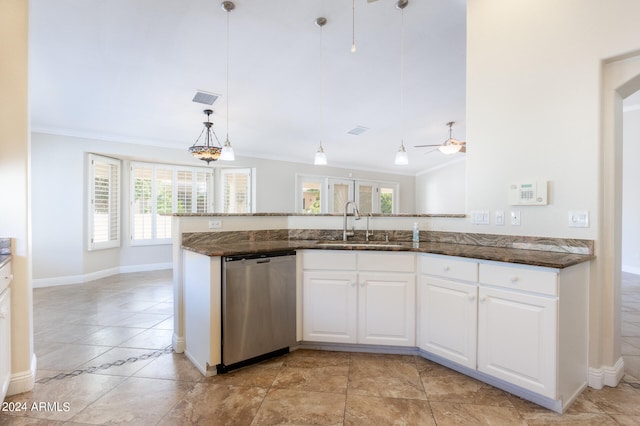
(539, 258)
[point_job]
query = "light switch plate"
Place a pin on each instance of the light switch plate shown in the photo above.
(578, 218)
(480, 217)
(499, 217)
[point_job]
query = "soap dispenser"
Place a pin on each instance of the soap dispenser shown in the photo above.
(416, 233)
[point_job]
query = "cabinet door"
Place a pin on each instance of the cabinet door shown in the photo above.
(387, 309)
(5, 342)
(329, 306)
(448, 319)
(517, 339)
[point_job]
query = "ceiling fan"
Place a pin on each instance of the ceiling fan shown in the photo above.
(449, 146)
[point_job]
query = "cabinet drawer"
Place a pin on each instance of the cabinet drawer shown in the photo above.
(386, 262)
(329, 260)
(5, 276)
(449, 267)
(519, 278)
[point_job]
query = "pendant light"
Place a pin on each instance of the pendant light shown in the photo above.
(320, 159)
(402, 159)
(206, 152)
(227, 150)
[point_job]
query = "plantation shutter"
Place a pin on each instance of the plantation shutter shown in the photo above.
(104, 202)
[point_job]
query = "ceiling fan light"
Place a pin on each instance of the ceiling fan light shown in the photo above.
(449, 149)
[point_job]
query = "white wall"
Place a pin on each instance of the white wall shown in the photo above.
(631, 191)
(442, 190)
(59, 204)
(14, 185)
(535, 103)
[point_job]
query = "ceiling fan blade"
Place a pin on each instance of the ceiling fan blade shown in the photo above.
(371, 1)
(425, 146)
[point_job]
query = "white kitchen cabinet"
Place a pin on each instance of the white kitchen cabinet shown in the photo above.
(448, 307)
(448, 319)
(532, 328)
(359, 297)
(517, 338)
(386, 308)
(5, 329)
(330, 300)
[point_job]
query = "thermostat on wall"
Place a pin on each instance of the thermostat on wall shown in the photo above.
(528, 193)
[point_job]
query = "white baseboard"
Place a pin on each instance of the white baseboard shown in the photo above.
(79, 279)
(23, 381)
(178, 343)
(606, 375)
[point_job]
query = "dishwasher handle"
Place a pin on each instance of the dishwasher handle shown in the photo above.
(258, 257)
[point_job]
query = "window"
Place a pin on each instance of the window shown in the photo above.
(237, 190)
(318, 194)
(158, 191)
(104, 202)
(388, 199)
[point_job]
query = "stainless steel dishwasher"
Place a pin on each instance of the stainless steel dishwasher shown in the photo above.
(258, 307)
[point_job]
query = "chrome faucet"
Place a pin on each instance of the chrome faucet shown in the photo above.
(368, 234)
(356, 216)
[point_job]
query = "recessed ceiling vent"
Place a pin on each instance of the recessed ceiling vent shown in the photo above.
(205, 98)
(358, 130)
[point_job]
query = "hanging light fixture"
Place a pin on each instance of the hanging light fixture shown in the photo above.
(207, 152)
(402, 159)
(320, 159)
(227, 149)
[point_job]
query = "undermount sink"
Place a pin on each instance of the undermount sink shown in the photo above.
(358, 244)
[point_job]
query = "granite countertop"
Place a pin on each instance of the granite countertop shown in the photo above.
(547, 259)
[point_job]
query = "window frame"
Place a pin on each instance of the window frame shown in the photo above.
(251, 184)
(92, 161)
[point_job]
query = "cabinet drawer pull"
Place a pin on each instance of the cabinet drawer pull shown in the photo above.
(483, 299)
(514, 279)
(472, 297)
(446, 268)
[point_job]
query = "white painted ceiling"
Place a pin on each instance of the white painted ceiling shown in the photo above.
(127, 70)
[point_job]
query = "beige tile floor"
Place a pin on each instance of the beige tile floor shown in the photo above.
(129, 316)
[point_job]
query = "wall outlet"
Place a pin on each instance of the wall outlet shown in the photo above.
(499, 217)
(515, 217)
(215, 224)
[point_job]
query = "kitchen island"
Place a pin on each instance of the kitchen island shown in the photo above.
(510, 311)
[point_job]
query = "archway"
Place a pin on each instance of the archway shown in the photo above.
(621, 78)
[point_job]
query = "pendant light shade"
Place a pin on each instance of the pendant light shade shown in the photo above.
(227, 151)
(320, 159)
(402, 159)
